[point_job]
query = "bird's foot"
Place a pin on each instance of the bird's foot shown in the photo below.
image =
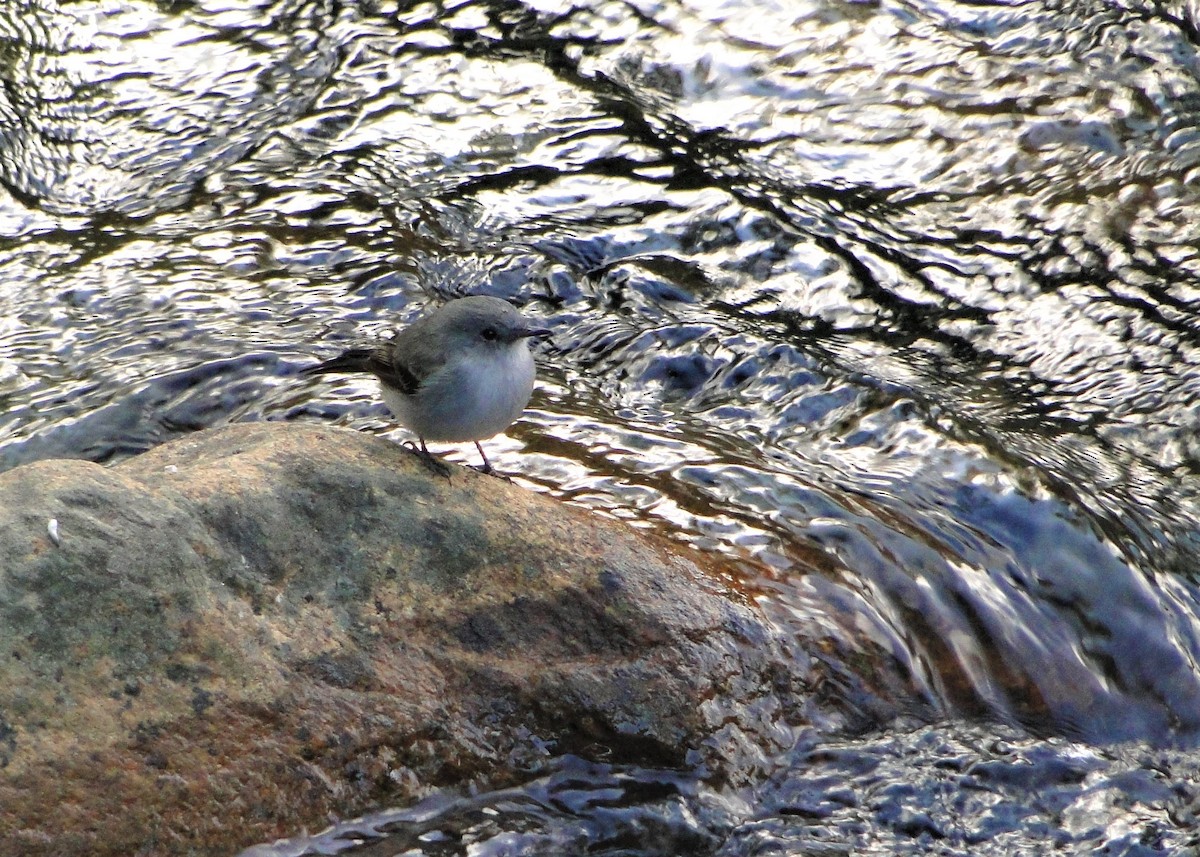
(488, 470)
(431, 461)
(487, 465)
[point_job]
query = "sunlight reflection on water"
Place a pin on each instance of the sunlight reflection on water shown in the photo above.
(893, 303)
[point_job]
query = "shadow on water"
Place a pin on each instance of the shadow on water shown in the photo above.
(890, 303)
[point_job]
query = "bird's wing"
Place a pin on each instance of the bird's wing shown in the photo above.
(394, 370)
(411, 357)
(379, 361)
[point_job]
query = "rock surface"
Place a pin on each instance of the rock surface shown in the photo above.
(234, 636)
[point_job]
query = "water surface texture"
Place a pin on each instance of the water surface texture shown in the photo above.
(893, 304)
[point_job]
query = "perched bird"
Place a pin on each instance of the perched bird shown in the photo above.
(461, 372)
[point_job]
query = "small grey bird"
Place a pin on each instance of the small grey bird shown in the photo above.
(461, 372)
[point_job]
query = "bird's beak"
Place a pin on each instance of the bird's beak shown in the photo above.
(534, 331)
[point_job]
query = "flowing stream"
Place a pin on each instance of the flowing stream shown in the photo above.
(893, 305)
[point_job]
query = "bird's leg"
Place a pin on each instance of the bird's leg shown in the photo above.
(487, 465)
(430, 460)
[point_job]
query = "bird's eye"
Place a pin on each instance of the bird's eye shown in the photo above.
(489, 333)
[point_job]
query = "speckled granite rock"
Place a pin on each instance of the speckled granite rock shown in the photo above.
(235, 635)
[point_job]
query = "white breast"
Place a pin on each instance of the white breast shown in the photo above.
(469, 399)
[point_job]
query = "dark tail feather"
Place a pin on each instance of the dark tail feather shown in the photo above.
(353, 360)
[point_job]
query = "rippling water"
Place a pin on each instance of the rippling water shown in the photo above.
(892, 303)
(927, 791)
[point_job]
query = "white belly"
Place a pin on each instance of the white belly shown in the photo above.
(468, 401)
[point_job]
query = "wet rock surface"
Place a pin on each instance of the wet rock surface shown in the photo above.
(241, 633)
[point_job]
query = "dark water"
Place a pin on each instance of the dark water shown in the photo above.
(894, 304)
(944, 791)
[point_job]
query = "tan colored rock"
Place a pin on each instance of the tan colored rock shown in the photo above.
(244, 632)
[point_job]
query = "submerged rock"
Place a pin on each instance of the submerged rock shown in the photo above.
(236, 635)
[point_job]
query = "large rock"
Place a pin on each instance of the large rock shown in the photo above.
(235, 635)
